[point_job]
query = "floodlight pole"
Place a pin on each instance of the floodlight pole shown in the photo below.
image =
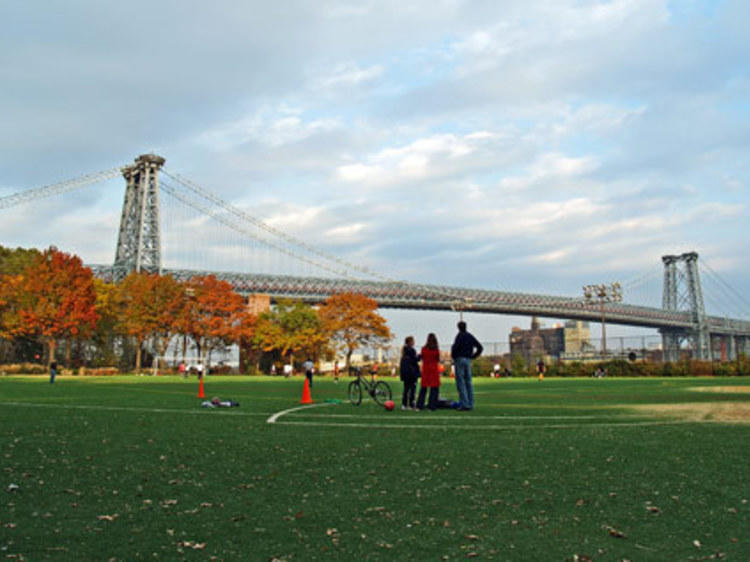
(603, 294)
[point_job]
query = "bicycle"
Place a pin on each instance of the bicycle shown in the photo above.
(378, 390)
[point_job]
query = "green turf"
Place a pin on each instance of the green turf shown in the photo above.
(128, 468)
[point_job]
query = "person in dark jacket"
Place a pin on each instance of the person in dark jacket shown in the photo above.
(465, 348)
(409, 373)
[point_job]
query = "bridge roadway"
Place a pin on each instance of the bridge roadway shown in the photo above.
(436, 297)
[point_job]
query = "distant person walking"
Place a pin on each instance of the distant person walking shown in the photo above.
(430, 373)
(541, 368)
(52, 372)
(309, 368)
(465, 348)
(409, 373)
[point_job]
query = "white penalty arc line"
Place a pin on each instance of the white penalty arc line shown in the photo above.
(277, 415)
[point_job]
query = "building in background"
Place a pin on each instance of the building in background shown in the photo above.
(557, 342)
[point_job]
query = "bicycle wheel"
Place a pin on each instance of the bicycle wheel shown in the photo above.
(355, 393)
(382, 392)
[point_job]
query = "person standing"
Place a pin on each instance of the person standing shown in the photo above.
(409, 373)
(336, 371)
(430, 373)
(309, 368)
(52, 372)
(541, 368)
(465, 348)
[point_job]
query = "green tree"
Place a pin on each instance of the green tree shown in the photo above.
(291, 328)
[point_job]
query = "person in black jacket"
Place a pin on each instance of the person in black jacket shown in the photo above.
(409, 372)
(465, 348)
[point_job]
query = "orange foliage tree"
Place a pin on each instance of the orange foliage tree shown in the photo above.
(350, 321)
(214, 315)
(55, 299)
(151, 305)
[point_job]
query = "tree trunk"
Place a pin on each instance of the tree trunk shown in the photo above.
(51, 345)
(139, 344)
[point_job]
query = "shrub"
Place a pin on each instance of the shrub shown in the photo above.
(23, 369)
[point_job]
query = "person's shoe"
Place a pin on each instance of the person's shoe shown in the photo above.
(403, 407)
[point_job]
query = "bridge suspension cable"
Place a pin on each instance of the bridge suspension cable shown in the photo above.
(57, 188)
(212, 212)
(734, 302)
(345, 269)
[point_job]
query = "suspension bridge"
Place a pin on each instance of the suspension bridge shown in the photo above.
(681, 320)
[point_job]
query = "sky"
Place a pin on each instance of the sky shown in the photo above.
(511, 145)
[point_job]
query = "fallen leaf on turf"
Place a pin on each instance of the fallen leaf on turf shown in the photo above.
(471, 537)
(653, 509)
(615, 533)
(697, 544)
(107, 517)
(193, 545)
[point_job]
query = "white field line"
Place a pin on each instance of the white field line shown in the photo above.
(420, 417)
(225, 411)
(277, 415)
(464, 427)
(309, 423)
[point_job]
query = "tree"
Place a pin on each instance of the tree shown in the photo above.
(290, 328)
(151, 305)
(350, 321)
(14, 262)
(107, 333)
(56, 298)
(214, 315)
(14, 342)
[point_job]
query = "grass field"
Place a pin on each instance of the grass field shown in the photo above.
(128, 468)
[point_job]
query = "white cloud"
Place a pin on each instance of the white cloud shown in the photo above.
(549, 168)
(426, 157)
(271, 126)
(347, 75)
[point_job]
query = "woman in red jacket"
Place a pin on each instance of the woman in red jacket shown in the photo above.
(430, 373)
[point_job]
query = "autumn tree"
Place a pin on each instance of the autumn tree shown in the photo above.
(107, 333)
(291, 328)
(14, 262)
(214, 315)
(151, 306)
(350, 321)
(55, 298)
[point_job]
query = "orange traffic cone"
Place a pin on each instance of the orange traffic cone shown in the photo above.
(201, 394)
(306, 397)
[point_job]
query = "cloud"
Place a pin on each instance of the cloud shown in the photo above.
(536, 145)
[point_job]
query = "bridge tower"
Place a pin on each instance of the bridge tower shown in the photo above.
(682, 292)
(139, 240)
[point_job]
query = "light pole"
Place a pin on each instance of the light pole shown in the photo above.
(460, 306)
(603, 294)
